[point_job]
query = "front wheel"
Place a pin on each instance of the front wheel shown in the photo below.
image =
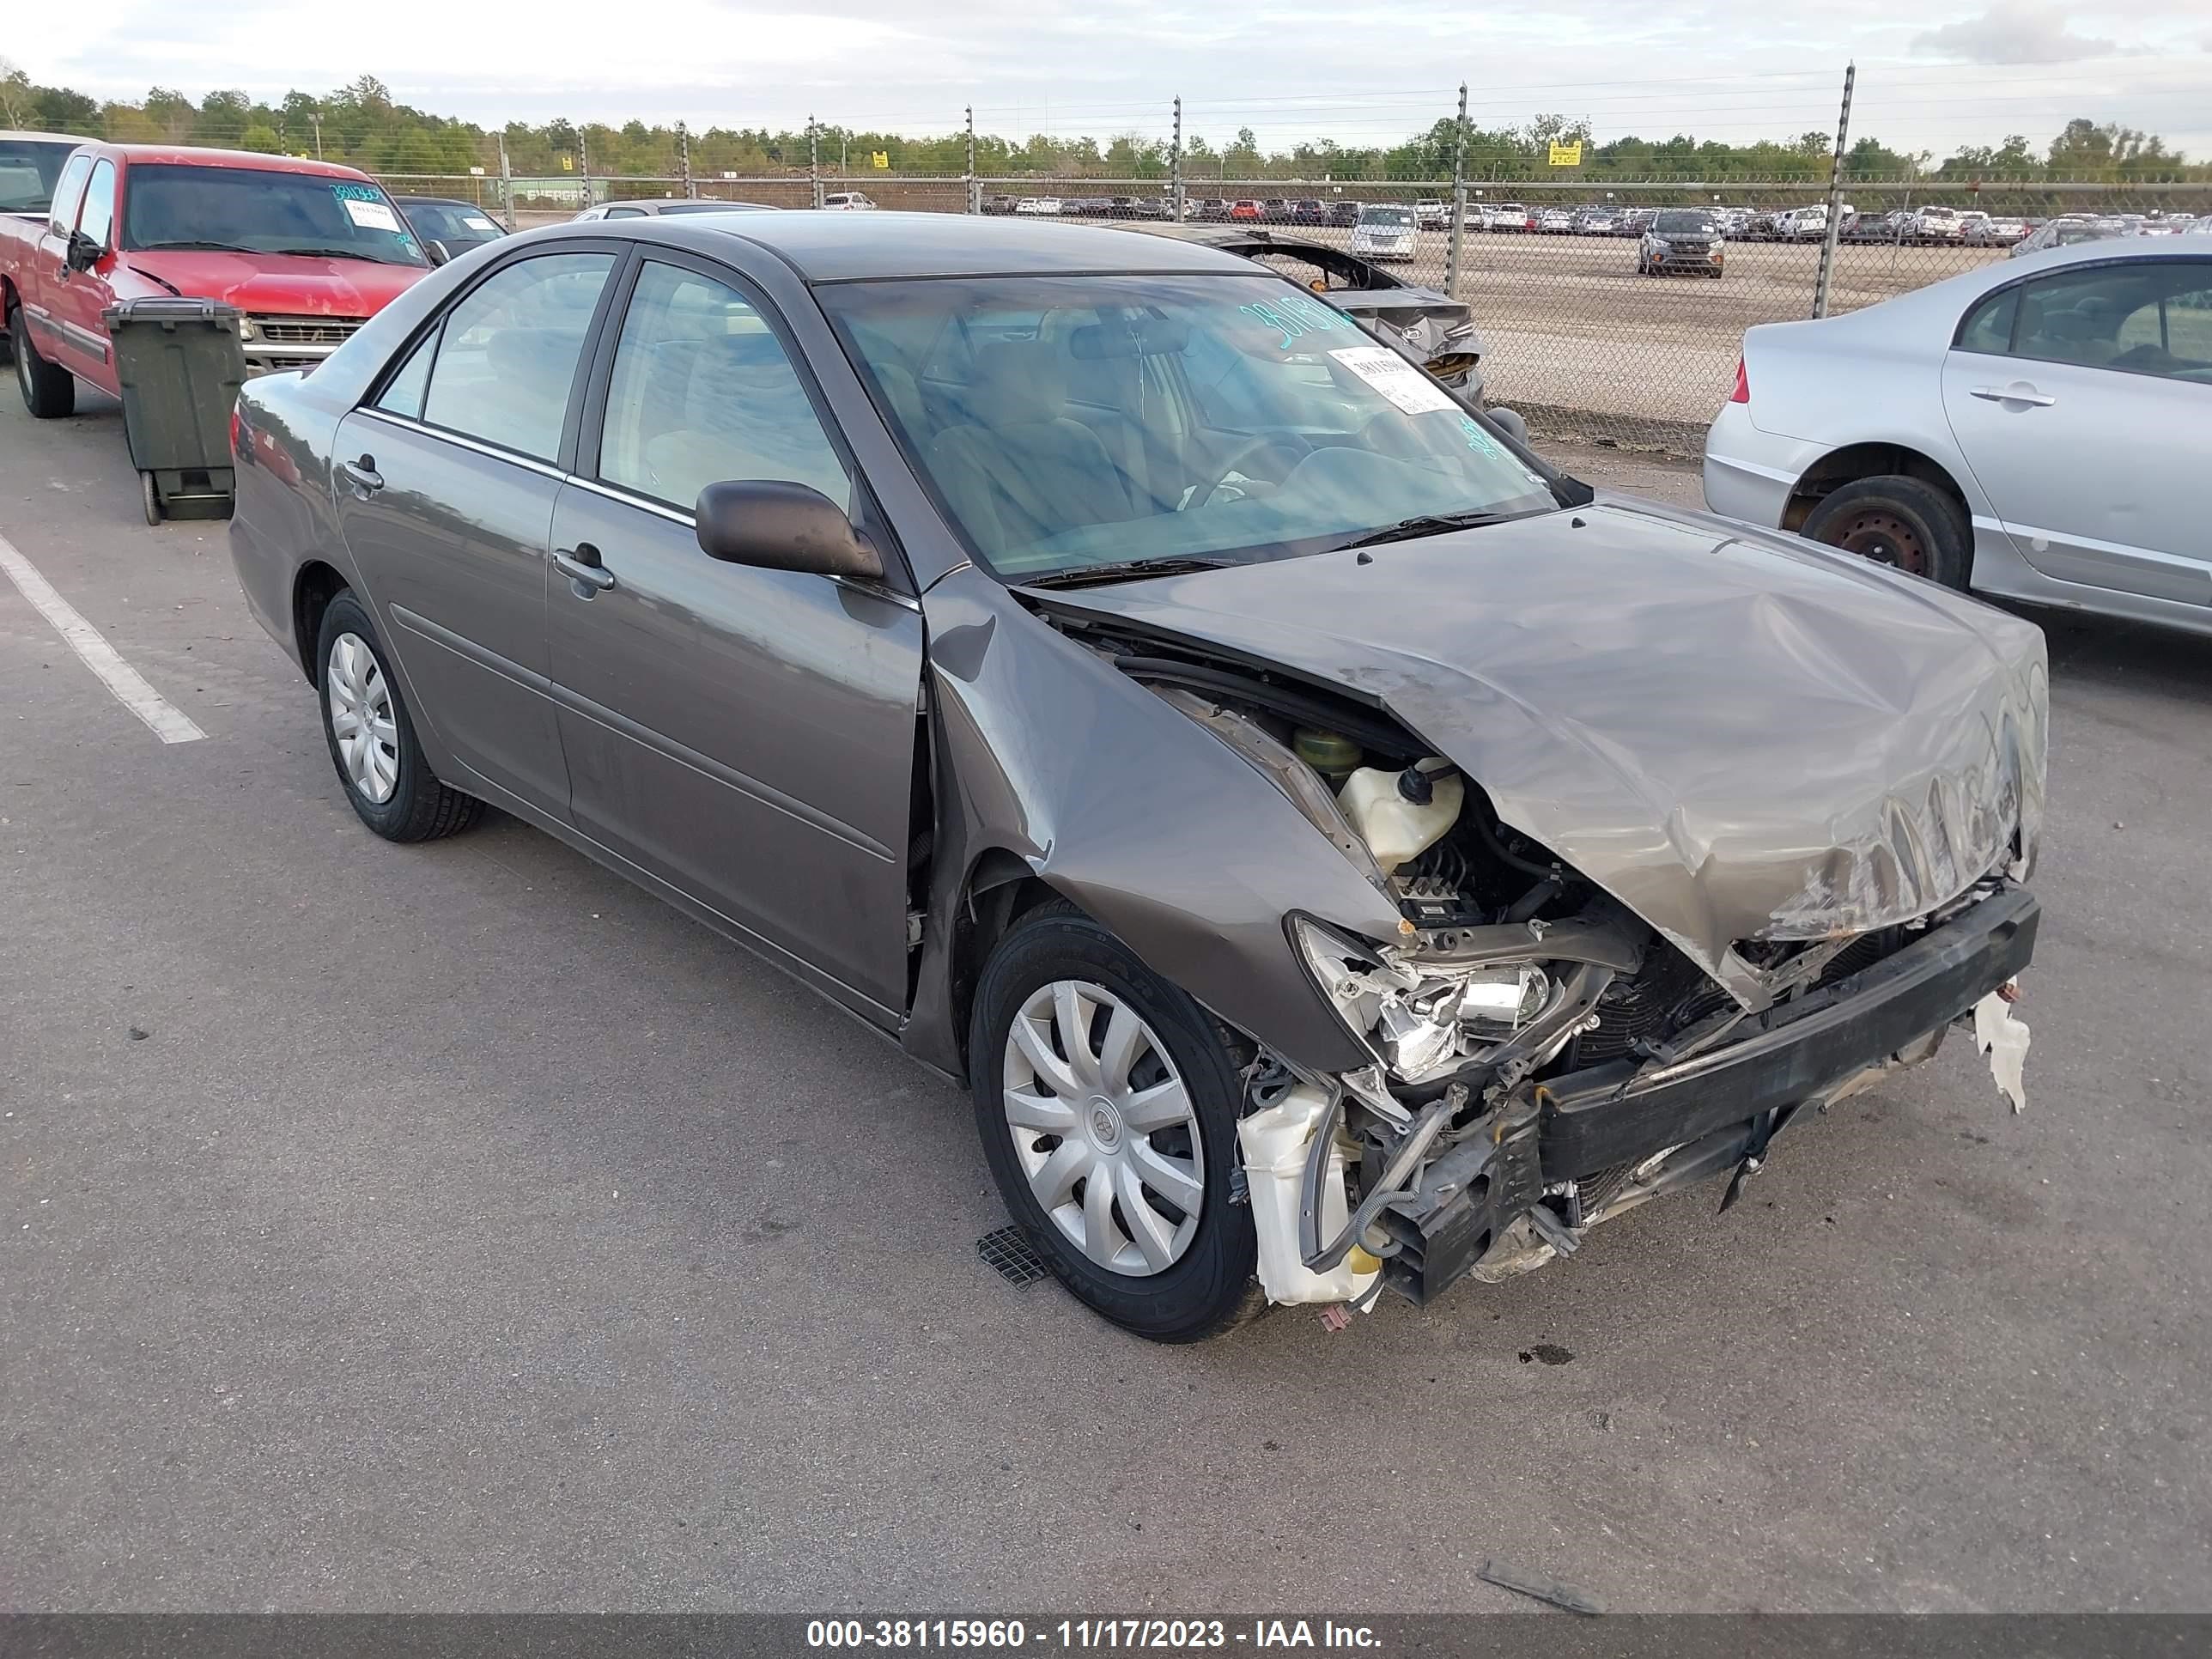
(1107, 1102)
(49, 391)
(1898, 521)
(372, 739)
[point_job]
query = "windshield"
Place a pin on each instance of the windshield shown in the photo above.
(1683, 224)
(1385, 215)
(261, 210)
(1072, 422)
(450, 222)
(28, 168)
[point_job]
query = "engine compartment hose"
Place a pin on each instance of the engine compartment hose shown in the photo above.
(1320, 1258)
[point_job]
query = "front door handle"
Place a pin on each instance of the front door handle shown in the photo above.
(362, 475)
(580, 565)
(2019, 392)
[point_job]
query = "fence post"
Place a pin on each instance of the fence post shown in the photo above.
(584, 164)
(1452, 248)
(506, 183)
(974, 194)
(684, 156)
(1825, 280)
(1175, 163)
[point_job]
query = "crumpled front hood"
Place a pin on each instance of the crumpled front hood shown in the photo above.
(286, 285)
(1738, 734)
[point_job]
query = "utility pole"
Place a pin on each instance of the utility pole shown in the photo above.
(843, 138)
(1175, 162)
(317, 118)
(813, 160)
(1825, 280)
(506, 183)
(684, 156)
(1453, 247)
(975, 193)
(584, 163)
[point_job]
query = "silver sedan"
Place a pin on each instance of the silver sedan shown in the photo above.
(2034, 429)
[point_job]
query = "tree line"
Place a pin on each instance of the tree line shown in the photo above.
(361, 123)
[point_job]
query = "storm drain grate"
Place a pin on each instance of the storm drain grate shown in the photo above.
(1008, 1252)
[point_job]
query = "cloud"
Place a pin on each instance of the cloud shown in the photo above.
(2014, 31)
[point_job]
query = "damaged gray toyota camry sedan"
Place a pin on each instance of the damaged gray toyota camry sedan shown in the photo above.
(1341, 852)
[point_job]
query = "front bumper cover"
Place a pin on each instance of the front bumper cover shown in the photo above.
(1792, 1054)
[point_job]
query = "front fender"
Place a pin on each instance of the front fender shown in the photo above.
(1131, 810)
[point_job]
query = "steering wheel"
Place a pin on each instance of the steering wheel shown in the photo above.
(1297, 447)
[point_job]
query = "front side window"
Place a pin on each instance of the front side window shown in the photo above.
(1065, 423)
(98, 219)
(2143, 317)
(263, 210)
(506, 355)
(703, 392)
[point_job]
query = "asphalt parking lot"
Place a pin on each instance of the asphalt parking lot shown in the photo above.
(456, 1226)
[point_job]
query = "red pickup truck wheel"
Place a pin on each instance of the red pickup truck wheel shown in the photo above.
(48, 392)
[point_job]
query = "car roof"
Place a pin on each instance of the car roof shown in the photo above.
(251, 160)
(440, 201)
(838, 247)
(69, 139)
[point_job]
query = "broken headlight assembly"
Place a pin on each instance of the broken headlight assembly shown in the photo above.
(1424, 1014)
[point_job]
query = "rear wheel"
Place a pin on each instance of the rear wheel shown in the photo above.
(1898, 521)
(372, 740)
(49, 391)
(1107, 1103)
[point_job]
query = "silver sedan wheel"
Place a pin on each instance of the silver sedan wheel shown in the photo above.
(1104, 1127)
(362, 719)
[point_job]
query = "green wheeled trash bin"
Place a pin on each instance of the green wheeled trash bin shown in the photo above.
(180, 364)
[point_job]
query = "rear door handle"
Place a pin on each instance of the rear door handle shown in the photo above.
(580, 564)
(362, 475)
(2019, 392)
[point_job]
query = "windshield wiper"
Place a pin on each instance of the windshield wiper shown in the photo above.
(1426, 524)
(334, 254)
(195, 247)
(1086, 575)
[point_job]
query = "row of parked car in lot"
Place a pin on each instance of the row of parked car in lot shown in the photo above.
(933, 614)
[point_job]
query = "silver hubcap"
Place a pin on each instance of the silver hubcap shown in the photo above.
(360, 719)
(1104, 1127)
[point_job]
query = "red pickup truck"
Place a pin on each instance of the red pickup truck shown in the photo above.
(308, 251)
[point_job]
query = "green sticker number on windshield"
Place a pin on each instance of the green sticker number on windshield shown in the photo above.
(1295, 317)
(356, 192)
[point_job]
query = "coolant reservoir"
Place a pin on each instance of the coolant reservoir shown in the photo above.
(1275, 1142)
(1400, 815)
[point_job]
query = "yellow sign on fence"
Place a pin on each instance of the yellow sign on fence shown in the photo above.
(880, 160)
(1567, 156)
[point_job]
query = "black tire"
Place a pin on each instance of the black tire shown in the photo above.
(419, 807)
(49, 391)
(1209, 1289)
(152, 497)
(1898, 521)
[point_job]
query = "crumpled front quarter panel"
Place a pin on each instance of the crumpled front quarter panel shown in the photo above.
(1138, 815)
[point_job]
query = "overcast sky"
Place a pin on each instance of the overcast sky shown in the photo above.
(1931, 75)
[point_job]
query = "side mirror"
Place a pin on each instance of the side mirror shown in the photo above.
(779, 526)
(1516, 427)
(437, 252)
(84, 252)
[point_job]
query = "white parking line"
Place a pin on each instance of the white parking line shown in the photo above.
(166, 720)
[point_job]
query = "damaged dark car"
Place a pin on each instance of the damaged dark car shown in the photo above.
(1342, 854)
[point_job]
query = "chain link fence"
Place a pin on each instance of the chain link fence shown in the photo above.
(1581, 334)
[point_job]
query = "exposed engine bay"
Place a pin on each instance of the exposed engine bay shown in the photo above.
(1524, 1026)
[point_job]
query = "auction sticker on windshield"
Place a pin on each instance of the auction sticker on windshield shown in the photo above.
(371, 215)
(1394, 378)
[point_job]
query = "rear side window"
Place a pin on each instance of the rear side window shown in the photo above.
(703, 393)
(2143, 317)
(67, 194)
(1988, 326)
(404, 394)
(508, 355)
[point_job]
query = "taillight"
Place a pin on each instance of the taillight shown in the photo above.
(1742, 392)
(236, 426)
